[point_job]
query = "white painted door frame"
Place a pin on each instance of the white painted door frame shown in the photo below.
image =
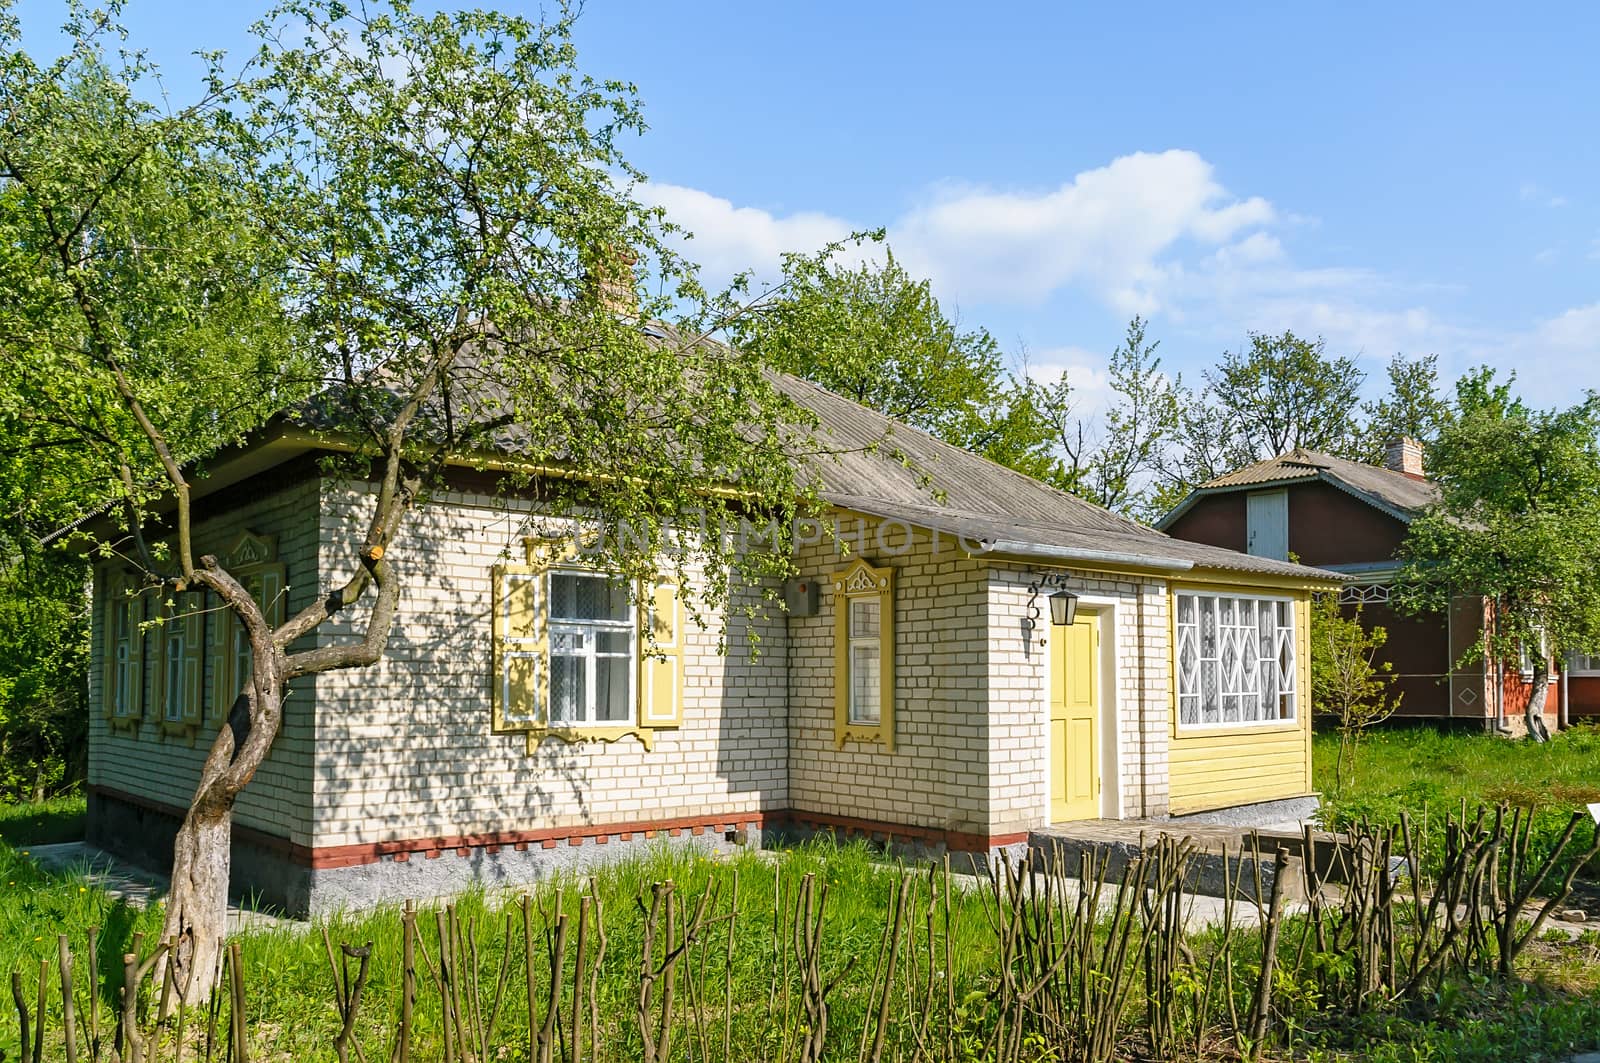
(1112, 747)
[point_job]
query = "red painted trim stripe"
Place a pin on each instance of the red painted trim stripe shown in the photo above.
(333, 856)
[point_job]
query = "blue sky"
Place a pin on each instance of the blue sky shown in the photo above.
(1390, 177)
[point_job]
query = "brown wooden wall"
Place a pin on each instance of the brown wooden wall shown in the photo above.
(1327, 526)
(1216, 520)
(1584, 691)
(1418, 650)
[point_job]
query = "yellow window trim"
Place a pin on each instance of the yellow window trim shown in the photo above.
(187, 609)
(581, 735)
(520, 631)
(253, 562)
(122, 589)
(862, 580)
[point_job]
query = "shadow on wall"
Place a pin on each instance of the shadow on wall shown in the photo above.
(403, 749)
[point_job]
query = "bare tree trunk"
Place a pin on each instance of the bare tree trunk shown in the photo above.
(197, 904)
(1534, 715)
(196, 917)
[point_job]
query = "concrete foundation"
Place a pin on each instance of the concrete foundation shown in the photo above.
(1225, 859)
(1263, 814)
(261, 871)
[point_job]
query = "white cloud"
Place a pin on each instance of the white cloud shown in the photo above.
(1085, 371)
(1110, 229)
(1107, 229)
(1156, 234)
(729, 238)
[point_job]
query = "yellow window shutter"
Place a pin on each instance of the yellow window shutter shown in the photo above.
(519, 630)
(268, 586)
(124, 613)
(193, 616)
(219, 639)
(139, 638)
(660, 657)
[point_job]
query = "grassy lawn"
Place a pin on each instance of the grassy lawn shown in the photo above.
(747, 967)
(57, 820)
(1415, 768)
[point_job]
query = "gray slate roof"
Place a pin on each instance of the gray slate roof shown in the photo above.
(1396, 493)
(972, 497)
(887, 469)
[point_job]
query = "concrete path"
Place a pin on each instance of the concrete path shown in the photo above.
(1200, 911)
(138, 888)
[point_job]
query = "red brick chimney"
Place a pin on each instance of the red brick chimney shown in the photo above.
(1405, 455)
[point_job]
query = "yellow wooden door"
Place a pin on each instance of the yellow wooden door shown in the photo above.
(1075, 721)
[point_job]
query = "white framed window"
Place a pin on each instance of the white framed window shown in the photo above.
(593, 649)
(1526, 657)
(174, 673)
(127, 646)
(1583, 664)
(1236, 660)
(866, 660)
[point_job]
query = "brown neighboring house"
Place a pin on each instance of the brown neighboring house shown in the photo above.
(1351, 518)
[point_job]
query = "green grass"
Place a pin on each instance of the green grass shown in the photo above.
(291, 1006)
(1413, 767)
(1552, 1011)
(59, 819)
(1429, 774)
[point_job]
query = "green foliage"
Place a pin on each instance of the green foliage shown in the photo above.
(1116, 466)
(1518, 521)
(56, 819)
(44, 643)
(136, 275)
(1412, 409)
(1347, 682)
(875, 334)
(471, 227)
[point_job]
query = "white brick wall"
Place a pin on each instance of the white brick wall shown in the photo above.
(1134, 614)
(937, 776)
(404, 749)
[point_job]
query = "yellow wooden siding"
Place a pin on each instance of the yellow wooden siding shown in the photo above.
(1239, 765)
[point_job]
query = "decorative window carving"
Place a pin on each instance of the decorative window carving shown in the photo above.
(181, 661)
(863, 638)
(1237, 660)
(253, 561)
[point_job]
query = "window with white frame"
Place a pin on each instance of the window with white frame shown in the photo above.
(127, 646)
(1236, 660)
(174, 674)
(593, 640)
(1583, 664)
(1528, 653)
(866, 660)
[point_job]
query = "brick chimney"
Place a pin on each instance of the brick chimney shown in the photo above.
(1405, 455)
(610, 279)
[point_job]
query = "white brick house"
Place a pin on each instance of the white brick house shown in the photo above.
(515, 723)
